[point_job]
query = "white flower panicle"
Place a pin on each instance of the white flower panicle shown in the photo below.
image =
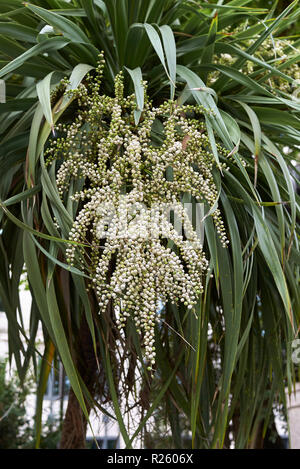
(122, 177)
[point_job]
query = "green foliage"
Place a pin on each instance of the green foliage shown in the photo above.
(232, 359)
(15, 427)
(50, 437)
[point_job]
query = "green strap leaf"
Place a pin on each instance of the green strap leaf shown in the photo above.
(77, 75)
(39, 234)
(16, 105)
(257, 135)
(69, 29)
(41, 388)
(170, 51)
(137, 78)
(62, 344)
(55, 43)
(43, 89)
(2, 91)
(18, 31)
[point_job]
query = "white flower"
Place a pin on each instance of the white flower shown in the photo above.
(127, 183)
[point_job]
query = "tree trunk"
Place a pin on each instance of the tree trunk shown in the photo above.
(75, 423)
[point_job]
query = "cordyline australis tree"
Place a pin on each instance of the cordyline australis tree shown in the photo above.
(142, 103)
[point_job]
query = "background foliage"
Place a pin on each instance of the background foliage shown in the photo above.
(15, 427)
(238, 59)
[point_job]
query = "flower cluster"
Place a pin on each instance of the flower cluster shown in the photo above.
(272, 50)
(126, 176)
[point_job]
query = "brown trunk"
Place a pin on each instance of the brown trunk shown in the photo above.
(257, 440)
(75, 423)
